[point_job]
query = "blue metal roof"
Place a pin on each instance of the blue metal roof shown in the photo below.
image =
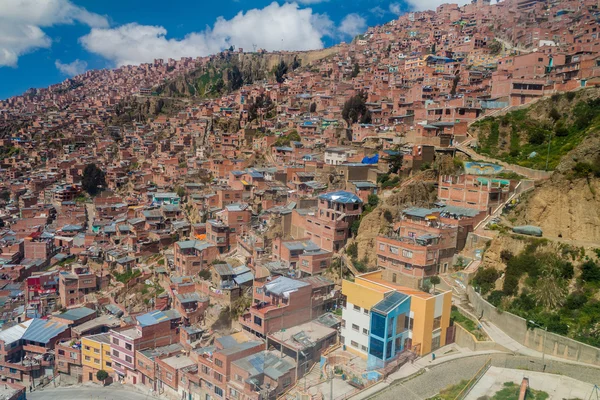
(341, 197)
(42, 330)
(151, 318)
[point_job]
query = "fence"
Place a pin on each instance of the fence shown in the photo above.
(463, 393)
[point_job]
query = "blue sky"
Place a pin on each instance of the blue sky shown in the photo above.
(45, 41)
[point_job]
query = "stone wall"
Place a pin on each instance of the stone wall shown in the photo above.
(516, 328)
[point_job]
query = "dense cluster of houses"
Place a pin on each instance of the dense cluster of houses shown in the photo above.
(281, 194)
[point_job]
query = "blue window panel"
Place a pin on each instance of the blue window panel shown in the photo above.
(376, 348)
(378, 323)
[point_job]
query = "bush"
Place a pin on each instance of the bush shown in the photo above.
(537, 137)
(570, 96)
(495, 298)
(560, 130)
(590, 272)
(506, 255)
(486, 279)
(575, 301)
(204, 274)
(387, 215)
(352, 250)
(102, 375)
(554, 114)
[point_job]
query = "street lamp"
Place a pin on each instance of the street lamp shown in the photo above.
(545, 328)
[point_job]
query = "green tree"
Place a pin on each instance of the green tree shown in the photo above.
(355, 109)
(235, 77)
(102, 375)
(93, 179)
(434, 280)
(355, 70)
(180, 191)
(280, 71)
(313, 107)
(295, 64)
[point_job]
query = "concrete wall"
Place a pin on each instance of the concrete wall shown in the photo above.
(467, 340)
(516, 328)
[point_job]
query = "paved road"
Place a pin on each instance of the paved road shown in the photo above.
(434, 380)
(88, 393)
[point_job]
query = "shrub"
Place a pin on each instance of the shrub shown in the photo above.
(570, 96)
(495, 298)
(554, 114)
(537, 137)
(387, 215)
(575, 301)
(590, 272)
(506, 255)
(486, 279)
(352, 250)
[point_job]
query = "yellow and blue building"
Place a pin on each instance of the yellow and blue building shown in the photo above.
(382, 319)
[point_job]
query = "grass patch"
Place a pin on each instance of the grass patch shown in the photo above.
(511, 392)
(127, 275)
(467, 323)
(451, 392)
(530, 142)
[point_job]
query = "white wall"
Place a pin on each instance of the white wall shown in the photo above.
(361, 319)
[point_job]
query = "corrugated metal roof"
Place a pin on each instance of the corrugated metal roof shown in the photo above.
(15, 333)
(77, 313)
(42, 330)
(341, 196)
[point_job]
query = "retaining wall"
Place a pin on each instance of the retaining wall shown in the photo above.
(516, 327)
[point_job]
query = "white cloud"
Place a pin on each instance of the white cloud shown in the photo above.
(395, 8)
(21, 22)
(377, 11)
(308, 2)
(352, 25)
(424, 5)
(71, 69)
(275, 27)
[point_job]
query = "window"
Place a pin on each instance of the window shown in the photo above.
(218, 376)
(257, 321)
(218, 391)
(363, 348)
(205, 369)
(355, 327)
(169, 376)
(87, 348)
(97, 351)
(128, 346)
(218, 363)
(233, 393)
(353, 344)
(394, 250)
(115, 341)
(356, 308)
(238, 378)
(407, 253)
(437, 323)
(115, 353)
(365, 331)
(381, 246)
(73, 356)
(128, 359)
(108, 364)
(287, 381)
(87, 358)
(365, 311)
(96, 361)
